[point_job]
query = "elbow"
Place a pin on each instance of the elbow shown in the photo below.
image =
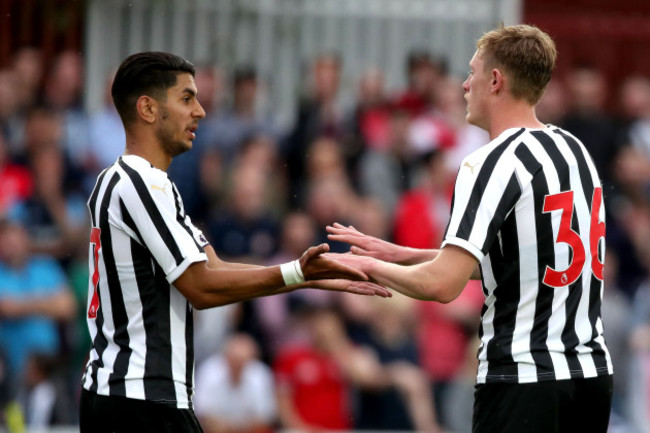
(442, 292)
(198, 301)
(198, 305)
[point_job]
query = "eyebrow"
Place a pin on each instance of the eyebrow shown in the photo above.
(190, 91)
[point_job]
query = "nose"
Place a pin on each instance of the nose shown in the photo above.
(199, 112)
(466, 85)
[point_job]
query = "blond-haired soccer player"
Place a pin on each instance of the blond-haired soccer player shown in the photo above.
(528, 209)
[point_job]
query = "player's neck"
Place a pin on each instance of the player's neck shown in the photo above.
(147, 147)
(516, 114)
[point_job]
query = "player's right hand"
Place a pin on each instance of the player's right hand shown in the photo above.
(363, 244)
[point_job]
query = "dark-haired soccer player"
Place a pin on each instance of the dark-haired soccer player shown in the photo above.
(150, 266)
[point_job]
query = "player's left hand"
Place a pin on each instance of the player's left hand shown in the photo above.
(365, 288)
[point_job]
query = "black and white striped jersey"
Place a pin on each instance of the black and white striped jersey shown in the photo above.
(529, 206)
(141, 326)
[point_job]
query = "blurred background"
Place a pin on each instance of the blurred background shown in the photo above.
(318, 111)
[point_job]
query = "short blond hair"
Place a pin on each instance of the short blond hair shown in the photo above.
(525, 53)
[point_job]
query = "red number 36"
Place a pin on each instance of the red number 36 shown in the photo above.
(564, 202)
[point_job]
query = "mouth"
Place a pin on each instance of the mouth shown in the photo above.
(192, 131)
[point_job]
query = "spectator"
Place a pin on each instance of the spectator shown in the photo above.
(385, 174)
(245, 230)
(229, 128)
(406, 403)
(275, 313)
(319, 115)
(552, 108)
(62, 93)
(315, 378)
(34, 300)
(587, 119)
(16, 181)
(46, 397)
(107, 137)
(616, 311)
(10, 121)
(422, 213)
(54, 215)
(370, 119)
(28, 65)
(639, 385)
(235, 391)
(423, 72)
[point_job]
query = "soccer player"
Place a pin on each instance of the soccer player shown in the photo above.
(150, 266)
(528, 208)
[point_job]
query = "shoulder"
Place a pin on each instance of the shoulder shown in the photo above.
(137, 167)
(138, 174)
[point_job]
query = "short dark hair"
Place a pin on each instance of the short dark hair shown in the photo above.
(148, 73)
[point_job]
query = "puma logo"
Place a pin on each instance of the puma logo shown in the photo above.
(470, 166)
(163, 189)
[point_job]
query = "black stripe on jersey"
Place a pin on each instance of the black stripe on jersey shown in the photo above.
(180, 216)
(569, 334)
(128, 220)
(505, 266)
(100, 343)
(155, 298)
(92, 202)
(595, 285)
(120, 317)
(152, 210)
(482, 179)
(545, 257)
(189, 351)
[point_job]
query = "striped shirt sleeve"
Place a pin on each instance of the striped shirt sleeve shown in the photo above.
(486, 191)
(169, 235)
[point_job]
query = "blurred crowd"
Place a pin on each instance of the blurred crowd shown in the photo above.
(263, 192)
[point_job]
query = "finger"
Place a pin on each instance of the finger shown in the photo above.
(353, 273)
(372, 288)
(348, 239)
(359, 251)
(317, 250)
(341, 230)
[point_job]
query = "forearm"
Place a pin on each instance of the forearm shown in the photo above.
(441, 279)
(413, 256)
(408, 280)
(207, 287)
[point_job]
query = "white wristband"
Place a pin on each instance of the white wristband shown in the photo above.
(292, 273)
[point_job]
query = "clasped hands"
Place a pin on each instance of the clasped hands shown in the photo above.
(345, 272)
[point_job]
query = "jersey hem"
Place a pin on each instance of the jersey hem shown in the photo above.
(466, 245)
(178, 270)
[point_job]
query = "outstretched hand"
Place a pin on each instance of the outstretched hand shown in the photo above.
(363, 244)
(315, 266)
(357, 287)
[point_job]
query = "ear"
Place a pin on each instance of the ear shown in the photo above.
(497, 83)
(147, 108)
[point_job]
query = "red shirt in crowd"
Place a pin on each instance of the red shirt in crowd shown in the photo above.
(15, 185)
(318, 389)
